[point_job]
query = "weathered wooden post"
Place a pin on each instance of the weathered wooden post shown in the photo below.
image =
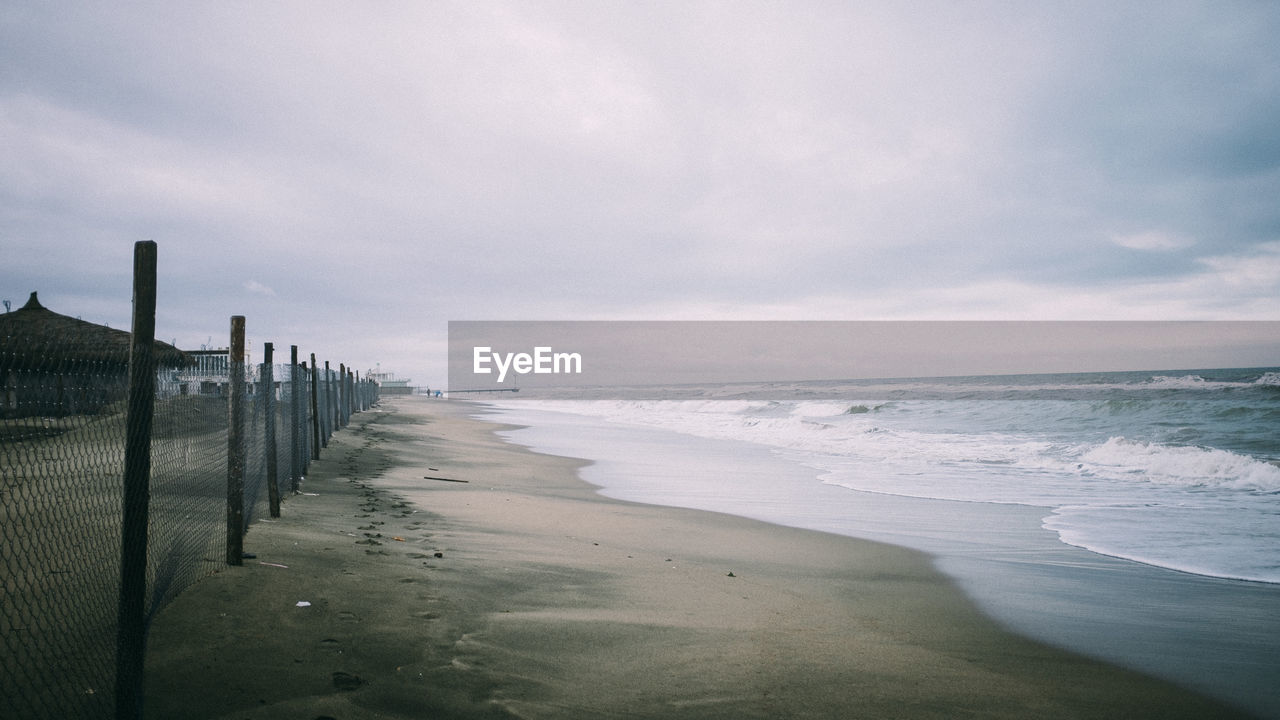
(269, 408)
(131, 626)
(295, 410)
(339, 416)
(328, 403)
(315, 410)
(342, 395)
(235, 446)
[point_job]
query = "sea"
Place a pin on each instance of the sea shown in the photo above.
(1130, 516)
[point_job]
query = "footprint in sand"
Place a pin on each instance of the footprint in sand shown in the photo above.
(346, 682)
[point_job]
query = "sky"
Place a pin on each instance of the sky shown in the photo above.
(353, 176)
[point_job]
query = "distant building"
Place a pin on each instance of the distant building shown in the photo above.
(389, 384)
(208, 373)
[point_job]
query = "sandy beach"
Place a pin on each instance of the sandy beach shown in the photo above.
(431, 570)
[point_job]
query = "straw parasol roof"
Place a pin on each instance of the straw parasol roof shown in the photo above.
(35, 336)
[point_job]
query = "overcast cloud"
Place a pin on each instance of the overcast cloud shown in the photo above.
(351, 176)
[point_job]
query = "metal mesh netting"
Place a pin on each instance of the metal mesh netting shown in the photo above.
(62, 434)
(61, 453)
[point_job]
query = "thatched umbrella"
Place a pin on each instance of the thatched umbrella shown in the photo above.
(54, 366)
(36, 337)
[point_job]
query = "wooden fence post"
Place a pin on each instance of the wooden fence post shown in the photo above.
(328, 403)
(235, 446)
(315, 409)
(131, 627)
(342, 395)
(269, 408)
(295, 408)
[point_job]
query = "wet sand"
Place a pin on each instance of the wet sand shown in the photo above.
(449, 574)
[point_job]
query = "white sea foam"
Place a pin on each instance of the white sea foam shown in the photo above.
(1205, 538)
(1189, 467)
(1195, 382)
(1270, 378)
(1117, 461)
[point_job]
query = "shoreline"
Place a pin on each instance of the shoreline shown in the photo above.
(1210, 634)
(548, 599)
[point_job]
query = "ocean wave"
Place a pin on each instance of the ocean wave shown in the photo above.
(821, 409)
(1242, 548)
(1192, 467)
(1115, 474)
(1190, 381)
(1269, 379)
(1182, 382)
(856, 431)
(623, 410)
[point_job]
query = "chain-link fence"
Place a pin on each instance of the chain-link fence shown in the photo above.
(61, 453)
(63, 421)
